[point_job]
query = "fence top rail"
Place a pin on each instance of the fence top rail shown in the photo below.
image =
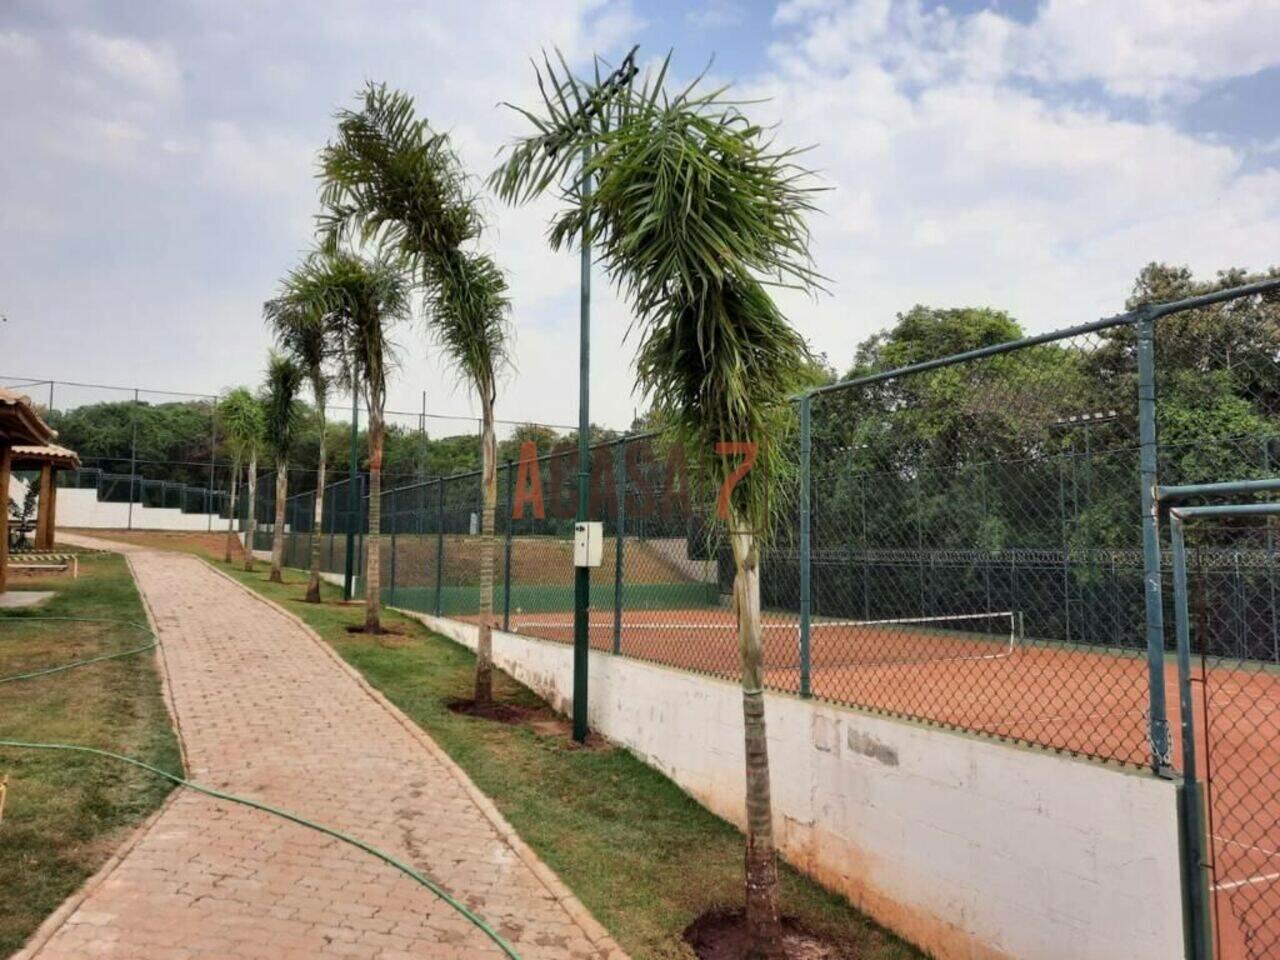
(1191, 490)
(1226, 510)
(1148, 311)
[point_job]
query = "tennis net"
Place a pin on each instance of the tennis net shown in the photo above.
(685, 637)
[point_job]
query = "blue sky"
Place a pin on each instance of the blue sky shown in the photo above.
(156, 179)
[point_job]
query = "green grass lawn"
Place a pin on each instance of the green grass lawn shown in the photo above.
(66, 813)
(644, 857)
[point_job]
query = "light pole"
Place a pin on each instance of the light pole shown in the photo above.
(582, 575)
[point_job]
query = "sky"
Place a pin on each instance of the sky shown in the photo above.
(157, 170)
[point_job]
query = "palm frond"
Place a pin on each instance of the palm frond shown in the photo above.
(282, 413)
(390, 180)
(241, 423)
(695, 213)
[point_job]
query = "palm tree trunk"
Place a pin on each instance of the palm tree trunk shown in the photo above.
(231, 512)
(277, 532)
(373, 542)
(251, 527)
(489, 479)
(317, 527)
(763, 923)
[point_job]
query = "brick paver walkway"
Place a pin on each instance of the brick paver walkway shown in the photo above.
(266, 710)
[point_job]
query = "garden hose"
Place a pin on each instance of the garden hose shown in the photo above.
(385, 857)
(81, 663)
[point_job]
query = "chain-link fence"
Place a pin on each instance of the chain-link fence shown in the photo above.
(968, 544)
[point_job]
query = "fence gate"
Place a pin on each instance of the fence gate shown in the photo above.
(1226, 614)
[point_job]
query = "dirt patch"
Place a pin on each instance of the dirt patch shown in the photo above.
(384, 631)
(496, 711)
(554, 725)
(212, 545)
(722, 935)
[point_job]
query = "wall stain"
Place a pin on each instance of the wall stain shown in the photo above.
(869, 746)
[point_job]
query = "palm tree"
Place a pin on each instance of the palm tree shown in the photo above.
(300, 318)
(360, 301)
(283, 417)
(241, 419)
(390, 179)
(694, 212)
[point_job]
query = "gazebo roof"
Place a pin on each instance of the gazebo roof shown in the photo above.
(19, 422)
(26, 456)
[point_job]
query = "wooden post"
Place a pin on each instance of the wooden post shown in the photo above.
(44, 525)
(53, 513)
(4, 513)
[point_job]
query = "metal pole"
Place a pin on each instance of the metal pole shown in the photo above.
(506, 573)
(1149, 469)
(619, 538)
(394, 504)
(1196, 862)
(439, 546)
(422, 433)
(806, 559)
(133, 457)
(582, 575)
(353, 496)
(213, 455)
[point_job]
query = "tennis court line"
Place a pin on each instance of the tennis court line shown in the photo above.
(1248, 881)
(1247, 846)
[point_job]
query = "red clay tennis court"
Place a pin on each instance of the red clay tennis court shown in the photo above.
(976, 672)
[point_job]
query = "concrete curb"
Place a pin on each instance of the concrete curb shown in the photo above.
(591, 927)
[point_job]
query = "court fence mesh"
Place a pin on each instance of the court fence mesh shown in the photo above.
(964, 544)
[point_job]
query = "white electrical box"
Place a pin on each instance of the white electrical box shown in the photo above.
(588, 539)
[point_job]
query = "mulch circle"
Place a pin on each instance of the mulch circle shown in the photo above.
(359, 628)
(722, 935)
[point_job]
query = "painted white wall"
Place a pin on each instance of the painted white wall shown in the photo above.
(970, 848)
(82, 508)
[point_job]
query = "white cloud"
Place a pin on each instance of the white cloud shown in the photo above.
(17, 46)
(716, 13)
(958, 185)
(1152, 48)
(152, 70)
(1139, 48)
(179, 163)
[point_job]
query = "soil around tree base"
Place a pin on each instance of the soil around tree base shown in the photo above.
(722, 935)
(541, 720)
(495, 711)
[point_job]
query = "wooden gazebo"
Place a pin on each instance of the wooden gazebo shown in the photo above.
(20, 425)
(48, 459)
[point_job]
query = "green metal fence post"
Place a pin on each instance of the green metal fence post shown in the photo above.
(394, 502)
(133, 458)
(619, 536)
(1152, 562)
(1195, 861)
(439, 545)
(806, 600)
(506, 571)
(582, 575)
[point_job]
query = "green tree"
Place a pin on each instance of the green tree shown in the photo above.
(390, 178)
(693, 212)
(241, 426)
(282, 414)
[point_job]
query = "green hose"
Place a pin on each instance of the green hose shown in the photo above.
(220, 795)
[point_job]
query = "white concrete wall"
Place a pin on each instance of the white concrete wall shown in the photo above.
(82, 508)
(967, 847)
